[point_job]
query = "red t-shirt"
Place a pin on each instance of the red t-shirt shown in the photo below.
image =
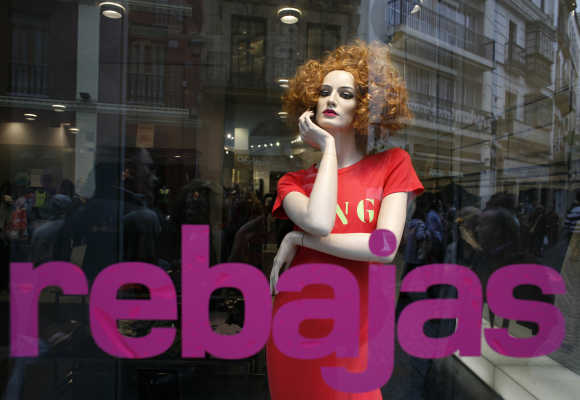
(361, 188)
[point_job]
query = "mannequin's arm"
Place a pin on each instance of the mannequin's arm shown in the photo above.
(351, 246)
(355, 246)
(316, 214)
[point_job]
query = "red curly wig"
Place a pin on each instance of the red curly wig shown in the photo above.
(380, 92)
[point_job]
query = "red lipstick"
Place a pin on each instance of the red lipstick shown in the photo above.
(329, 112)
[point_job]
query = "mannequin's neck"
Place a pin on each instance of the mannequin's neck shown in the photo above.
(347, 152)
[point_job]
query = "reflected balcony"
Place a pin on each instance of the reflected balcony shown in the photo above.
(151, 89)
(539, 53)
(515, 58)
(28, 79)
(523, 139)
(433, 28)
(427, 108)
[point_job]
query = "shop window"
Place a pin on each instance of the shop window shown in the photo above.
(322, 38)
(146, 78)
(29, 65)
(248, 51)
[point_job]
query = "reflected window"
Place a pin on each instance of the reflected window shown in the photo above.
(248, 51)
(322, 38)
(29, 65)
(146, 78)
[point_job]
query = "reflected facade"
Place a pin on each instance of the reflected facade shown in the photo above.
(122, 122)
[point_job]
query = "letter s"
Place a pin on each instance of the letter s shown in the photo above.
(550, 321)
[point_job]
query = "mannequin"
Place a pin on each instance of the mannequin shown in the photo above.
(336, 205)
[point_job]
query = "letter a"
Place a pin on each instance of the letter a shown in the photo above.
(466, 308)
(343, 309)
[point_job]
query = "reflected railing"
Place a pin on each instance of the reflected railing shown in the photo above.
(29, 79)
(150, 89)
(434, 25)
(433, 109)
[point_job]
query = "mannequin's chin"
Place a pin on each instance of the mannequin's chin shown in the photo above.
(330, 128)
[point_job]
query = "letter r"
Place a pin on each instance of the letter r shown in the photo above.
(26, 283)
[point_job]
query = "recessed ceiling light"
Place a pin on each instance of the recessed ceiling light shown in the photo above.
(112, 9)
(289, 15)
(30, 115)
(59, 107)
(73, 130)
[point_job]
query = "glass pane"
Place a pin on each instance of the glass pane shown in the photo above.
(163, 162)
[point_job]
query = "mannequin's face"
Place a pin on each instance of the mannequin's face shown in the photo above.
(337, 101)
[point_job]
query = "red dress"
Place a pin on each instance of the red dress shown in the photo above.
(361, 188)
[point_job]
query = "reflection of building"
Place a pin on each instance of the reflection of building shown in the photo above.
(122, 83)
(490, 86)
(248, 54)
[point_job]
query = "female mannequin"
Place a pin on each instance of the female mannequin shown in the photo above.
(336, 206)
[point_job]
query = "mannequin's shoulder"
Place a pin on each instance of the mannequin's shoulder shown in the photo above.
(300, 174)
(392, 155)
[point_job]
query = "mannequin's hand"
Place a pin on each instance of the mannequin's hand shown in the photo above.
(284, 257)
(311, 133)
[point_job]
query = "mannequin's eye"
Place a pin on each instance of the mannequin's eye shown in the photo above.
(324, 92)
(347, 95)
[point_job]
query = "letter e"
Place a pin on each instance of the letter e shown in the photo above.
(105, 310)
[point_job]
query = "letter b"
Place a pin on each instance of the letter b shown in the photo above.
(198, 283)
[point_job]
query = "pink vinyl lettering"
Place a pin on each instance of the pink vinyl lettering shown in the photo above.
(199, 280)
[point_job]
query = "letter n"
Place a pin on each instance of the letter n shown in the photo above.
(26, 284)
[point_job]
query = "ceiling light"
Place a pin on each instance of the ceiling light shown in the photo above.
(59, 107)
(416, 9)
(289, 15)
(74, 130)
(252, 146)
(30, 116)
(112, 9)
(291, 156)
(283, 82)
(277, 144)
(283, 114)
